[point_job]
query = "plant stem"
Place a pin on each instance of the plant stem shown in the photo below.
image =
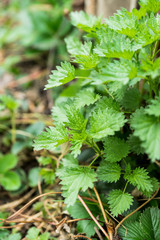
(93, 161)
(13, 126)
(125, 187)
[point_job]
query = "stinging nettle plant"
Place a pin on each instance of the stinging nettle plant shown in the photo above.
(115, 112)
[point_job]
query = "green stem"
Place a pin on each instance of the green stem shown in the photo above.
(13, 126)
(125, 187)
(93, 161)
(155, 49)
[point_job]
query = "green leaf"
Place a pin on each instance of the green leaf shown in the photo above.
(85, 22)
(34, 176)
(134, 232)
(48, 175)
(148, 193)
(154, 107)
(119, 201)
(44, 236)
(114, 45)
(44, 160)
(9, 102)
(77, 140)
(15, 236)
(148, 226)
(121, 71)
(123, 22)
(33, 233)
(105, 121)
(86, 97)
(140, 179)
(115, 149)
(150, 5)
(7, 162)
(82, 53)
(53, 137)
(109, 172)
(10, 181)
(147, 128)
(74, 180)
(135, 145)
(70, 161)
(62, 75)
(131, 99)
(84, 226)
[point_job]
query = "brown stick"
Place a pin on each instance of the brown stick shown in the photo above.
(81, 236)
(91, 215)
(13, 216)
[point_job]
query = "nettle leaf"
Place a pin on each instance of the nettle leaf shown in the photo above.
(148, 31)
(109, 172)
(74, 118)
(120, 71)
(123, 22)
(105, 119)
(147, 128)
(115, 149)
(150, 68)
(85, 22)
(150, 5)
(155, 184)
(140, 179)
(154, 107)
(7, 162)
(134, 232)
(74, 180)
(105, 123)
(135, 145)
(148, 227)
(51, 138)
(62, 75)
(59, 114)
(70, 161)
(84, 226)
(119, 201)
(82, 54)
(86, 97)
(117, 47)
(131, 99)
(77, 139)
(48, 175)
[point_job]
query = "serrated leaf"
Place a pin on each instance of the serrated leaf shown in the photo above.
(150, 5)
(131, 99)
(154, 107)
(109, 172)
(133, 232)
(104, 123)
(86, 97)
(123, 22)
(77, 139)
(53, 137)
(62, 75)
(70, 161)
(82, 54)
(147, 128)
(140, 179)
(44, 160)
(75, 119)
(150, 68)
(114, 45)
(84, 226)
(115, 149)
(74, 180)
(148, 226)
(33, 233)
(14, 236)
(119, 201)
(85, 22)
(48, 175)
(135, 145)
(119, 71)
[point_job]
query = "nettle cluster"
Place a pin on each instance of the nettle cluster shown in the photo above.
(115, 110)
